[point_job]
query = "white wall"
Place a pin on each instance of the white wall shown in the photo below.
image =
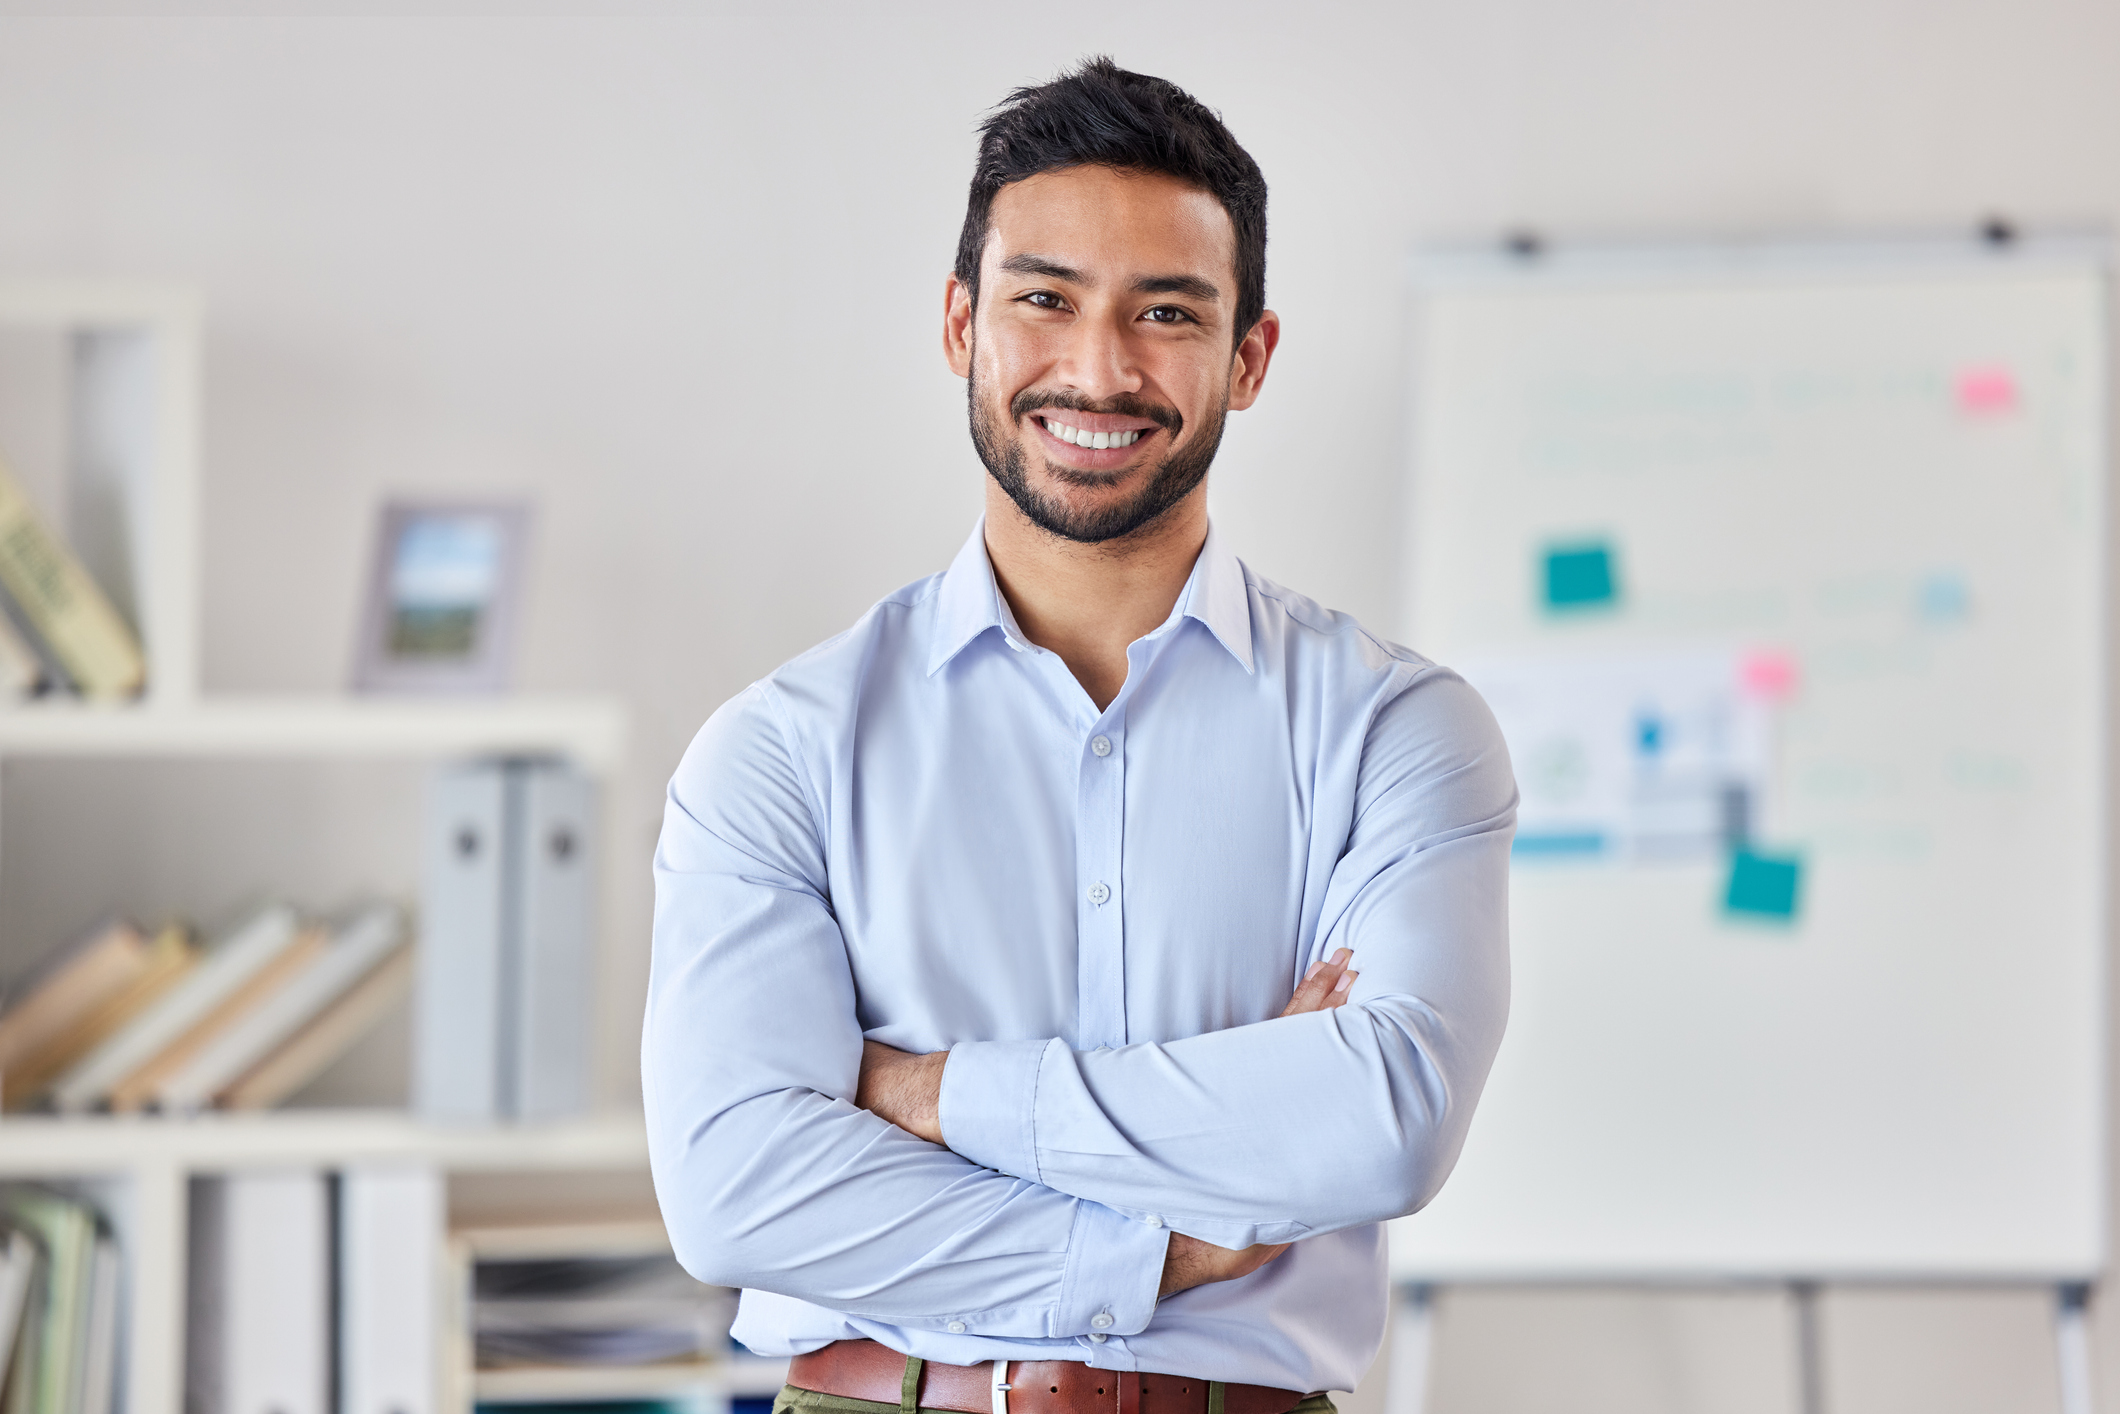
(679, 277)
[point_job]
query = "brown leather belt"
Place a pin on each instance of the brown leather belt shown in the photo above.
(863, 1369)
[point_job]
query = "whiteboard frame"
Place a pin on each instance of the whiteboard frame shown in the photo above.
(1448, 269)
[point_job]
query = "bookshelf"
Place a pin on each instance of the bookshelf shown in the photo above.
(733, 1376)
(132, 511)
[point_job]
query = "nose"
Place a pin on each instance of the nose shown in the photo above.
(1099, 360)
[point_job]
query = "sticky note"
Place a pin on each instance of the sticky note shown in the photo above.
(1767, 675)
(1648, 735)
(1943, 598)
(1763, 885)
(1580, 577)
(1987, 391)
(1563, 842)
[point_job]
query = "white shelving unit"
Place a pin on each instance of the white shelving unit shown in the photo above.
(705, 1381)
(589, 730)
(132, 501)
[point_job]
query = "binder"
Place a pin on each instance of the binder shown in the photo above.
(506, 974)
(456, 1010)
(259, 1316)
(391, 1221)
(554, 924)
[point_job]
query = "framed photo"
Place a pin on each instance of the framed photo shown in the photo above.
(443, 596)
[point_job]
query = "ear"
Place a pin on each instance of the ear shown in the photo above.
(1247, 372)
(957, 326)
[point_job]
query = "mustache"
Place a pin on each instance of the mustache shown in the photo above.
(1031, 400)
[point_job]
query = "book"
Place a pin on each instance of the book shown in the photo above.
(21, 670)
(303, 1056)
(97, 1382)
(18, 1273)
(163, 961)
(228, 964)
(67, 987)
(51, 673)
(66, 1230)
(64, 605)
(354, 950)
(141, 1088)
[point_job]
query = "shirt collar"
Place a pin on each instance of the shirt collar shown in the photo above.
(970, 602)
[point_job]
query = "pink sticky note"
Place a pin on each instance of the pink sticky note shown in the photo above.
(1769, 675)
(1987, 390)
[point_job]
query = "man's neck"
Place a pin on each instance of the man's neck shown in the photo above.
(1086, 603)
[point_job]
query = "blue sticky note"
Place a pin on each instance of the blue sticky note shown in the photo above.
(1943, 599)
(1763, 885)
(1648, 735)
(1561, 843)
(1580, 577)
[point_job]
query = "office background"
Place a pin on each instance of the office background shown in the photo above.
(677, 276)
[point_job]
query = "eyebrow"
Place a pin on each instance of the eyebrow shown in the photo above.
(1191, 286)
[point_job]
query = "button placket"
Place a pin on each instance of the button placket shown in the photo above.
(1100, 834)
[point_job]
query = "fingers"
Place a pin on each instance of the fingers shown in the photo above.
(1341, 990)
(1316, 991)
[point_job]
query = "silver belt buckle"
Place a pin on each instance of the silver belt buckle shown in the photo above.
(1001, 1387)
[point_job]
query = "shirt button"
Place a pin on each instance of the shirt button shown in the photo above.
(1098, 893)
(956, 1328)
(1153, 1221)
(1102, 1320)
(1097, 1336)
(1102, 745)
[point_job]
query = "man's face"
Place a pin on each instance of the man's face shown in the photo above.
(1100, 357)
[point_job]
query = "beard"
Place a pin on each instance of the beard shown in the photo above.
(1168, 483)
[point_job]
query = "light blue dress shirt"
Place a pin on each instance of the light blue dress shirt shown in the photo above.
(924, 832)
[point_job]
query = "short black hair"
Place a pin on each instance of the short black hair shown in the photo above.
(1100, 115)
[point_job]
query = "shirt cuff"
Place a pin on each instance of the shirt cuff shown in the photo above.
(989, 1102)
(1114, 1270)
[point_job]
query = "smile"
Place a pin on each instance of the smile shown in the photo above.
(1092, 441)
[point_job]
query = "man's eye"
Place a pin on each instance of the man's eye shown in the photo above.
(1166, 314)
(1045, 299)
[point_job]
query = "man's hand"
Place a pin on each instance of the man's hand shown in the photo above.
(1189, 1262)
(906, 1089)
(903, 1088)
(1325, 986)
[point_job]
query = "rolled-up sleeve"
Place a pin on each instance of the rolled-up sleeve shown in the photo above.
(768, 1175)
(1302, 1124)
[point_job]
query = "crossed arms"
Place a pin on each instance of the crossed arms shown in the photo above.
(1066, 1173)
(906, 1089)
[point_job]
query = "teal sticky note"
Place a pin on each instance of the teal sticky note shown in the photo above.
(1581, 577)
(1764, 885)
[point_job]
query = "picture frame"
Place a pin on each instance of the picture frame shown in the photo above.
(444, 597)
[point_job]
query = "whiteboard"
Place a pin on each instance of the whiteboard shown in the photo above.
(1783, 571)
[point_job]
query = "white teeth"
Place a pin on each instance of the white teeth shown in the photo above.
(1091, 441)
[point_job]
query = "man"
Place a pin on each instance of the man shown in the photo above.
(970, 1048)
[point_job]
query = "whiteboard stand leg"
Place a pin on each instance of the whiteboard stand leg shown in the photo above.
(1412, 1338)
(2072, 1345)
(1810, 1358)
